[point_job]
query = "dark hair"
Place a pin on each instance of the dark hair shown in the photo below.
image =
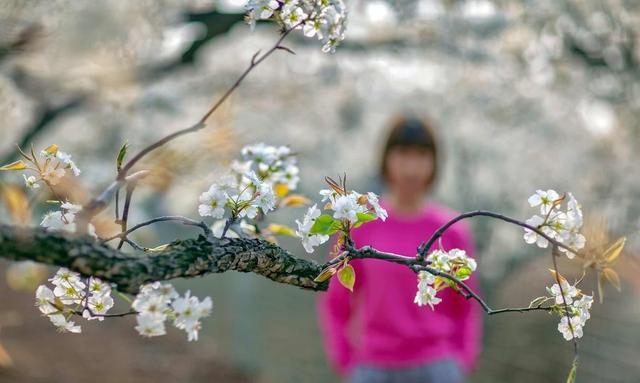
(410, 132)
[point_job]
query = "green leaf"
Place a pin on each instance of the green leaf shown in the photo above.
(325, 224)
(364, 218)
(347, 276)
(463, 273)
(121, 155)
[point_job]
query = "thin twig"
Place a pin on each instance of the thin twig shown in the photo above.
(367, 252)
(117, 315)
(125, 211)
(227, 225)
(255, 61)
(101, 202)
(425, 246)
(183, 220)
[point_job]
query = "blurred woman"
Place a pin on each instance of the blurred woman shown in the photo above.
(377, 334)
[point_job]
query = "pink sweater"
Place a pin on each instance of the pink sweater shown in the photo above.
(378, 324)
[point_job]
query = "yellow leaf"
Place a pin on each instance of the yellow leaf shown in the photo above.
(5, 358)
(18, 165)
(159, 248)
(325, 274)
(281, 190)
(281, 229)
(17, 204)
(601, 281)
(295, 200)
(272, 239)
(347, 276)
(614, 251)
(51, 149)
(612, 277)
(557, 275)
(571, 378)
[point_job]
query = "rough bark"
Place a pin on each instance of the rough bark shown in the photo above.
(181, 259)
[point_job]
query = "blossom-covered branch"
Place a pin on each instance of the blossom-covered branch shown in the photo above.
(260, 181)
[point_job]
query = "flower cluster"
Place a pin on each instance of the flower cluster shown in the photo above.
(158, 302)
(72, 295)
(454, 262)
(578, 306)
(350, 209)
(264, 174)
(562, 226)
(275, 165)
(324, 19)
(426, 294)
(50, 168)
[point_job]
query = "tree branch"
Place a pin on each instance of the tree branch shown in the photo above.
(181, 259)
(426, 246)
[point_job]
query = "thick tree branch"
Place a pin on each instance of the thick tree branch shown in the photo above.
(181, 259)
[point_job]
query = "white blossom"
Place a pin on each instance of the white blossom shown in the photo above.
(439, 260)
(544, 199)
(313, 28)
(374, 202)
(70, 293)
(63, 324)
(327, 195)
(188, 311)
(213, 202)
(292, 14)
(531, 236)
(64, 275)
(66, 159)
(156, 302)
(347, 207)
(31, 182)
(561, 226)
(64, 219)
(582, 307)
(98, 306)
(453, 262)
(150, 324)
(568, 291)
(324, 19)
(426, 294)
(262, 9)
(53, 175)
(309, 241)
(272, 164)
(570, 331)
(98, 287)
(45, 300)
(154, 298)
(266, 199)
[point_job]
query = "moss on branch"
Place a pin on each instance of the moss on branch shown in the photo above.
(180, 259)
